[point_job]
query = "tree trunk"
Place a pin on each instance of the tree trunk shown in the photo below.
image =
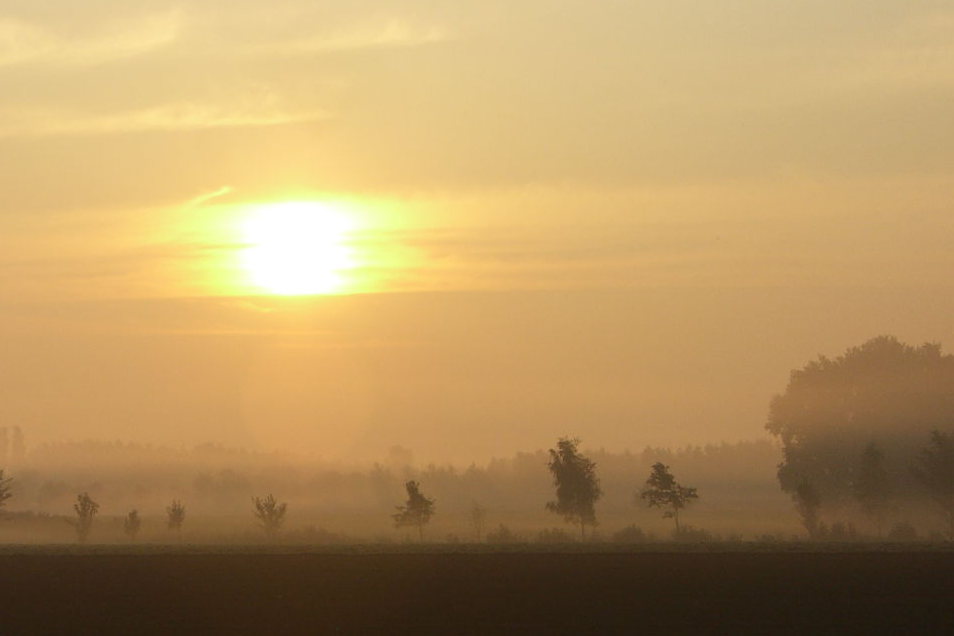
(675, 517)
(420, 532)
(582, 530)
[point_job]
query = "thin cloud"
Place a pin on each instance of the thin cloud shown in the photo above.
(393, 34)
(167, 117)
(24, 43)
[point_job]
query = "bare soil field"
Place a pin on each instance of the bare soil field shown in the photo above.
(256, 591)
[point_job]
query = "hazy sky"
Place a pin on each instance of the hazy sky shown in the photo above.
(621, 220)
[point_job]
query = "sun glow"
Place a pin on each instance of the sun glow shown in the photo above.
(297, 248)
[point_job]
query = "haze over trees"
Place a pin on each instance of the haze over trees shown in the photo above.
(175, 516)
(664, 492)
(270, 514)
(935, 470)
(416, 512)
(85, 509)
(131, 524)
(883, 393)
(6, 488)
(576, 483)
(872, 489)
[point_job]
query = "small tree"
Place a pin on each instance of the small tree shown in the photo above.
(270, 514)
(6, 488)
(662, 491)
(131, 524)
(478, 517)
(808, 504)
(175, 514)
(85, 509)
(416, 512)
(935, 470)
(577, 486)
(871, 488)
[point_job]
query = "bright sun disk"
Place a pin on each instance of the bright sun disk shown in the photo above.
(297, 248)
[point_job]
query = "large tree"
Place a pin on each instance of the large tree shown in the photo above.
(577, 486)
(85, 509)
(883, 392)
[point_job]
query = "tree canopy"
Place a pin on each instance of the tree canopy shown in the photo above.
(882, 392)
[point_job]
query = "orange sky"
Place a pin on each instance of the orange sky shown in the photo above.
(626, 223)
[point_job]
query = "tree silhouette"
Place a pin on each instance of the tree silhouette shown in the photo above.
(872, 489)
(85, 509)
(935, 470)
(808, 504)
(416, 512)
(270, 514)
(6, 484)
(478, 517)
(882, 392)
(131, 524)
(662, 491)
(577, 486)
(175, 516)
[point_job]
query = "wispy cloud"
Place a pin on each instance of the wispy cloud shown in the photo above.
(395, 33)
(25, 43)
(164, 117)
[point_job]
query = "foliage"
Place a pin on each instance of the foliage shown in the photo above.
(175, 515)
(577, 486)
(903, 531)
(131, 524)
(502, 535)
(871, 488)
(416, 512)
(808, 504)
(664, 492)
(270, 514)
(5, 488)
(935, 470)
(691, 534)
(554, 536)
(85, 509)
(883, 392)
(630, 534)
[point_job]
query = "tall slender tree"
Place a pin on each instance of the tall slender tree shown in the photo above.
(175, 517)
(270, 514)
(664, 492)
(131, 524)
(5, 489)
(85, 509)
(418, 510)
(577, 486)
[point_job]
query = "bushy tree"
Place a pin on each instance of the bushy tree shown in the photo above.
(416, 512)
(808, 505)
(882, 392)
(6, 487)
(664, 492)
(871, 488)
(85, 509)
(175, 516)
(270, 514)
(935, 471)
(577, 486)
(131, 524)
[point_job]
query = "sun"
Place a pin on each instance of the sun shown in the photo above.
(297, 248)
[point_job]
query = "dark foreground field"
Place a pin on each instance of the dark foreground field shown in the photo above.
(244, 592)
